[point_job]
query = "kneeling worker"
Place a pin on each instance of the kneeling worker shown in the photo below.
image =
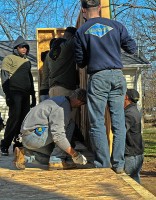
(46, 123)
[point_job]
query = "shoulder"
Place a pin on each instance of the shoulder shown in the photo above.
(132, 111)
(8, 59)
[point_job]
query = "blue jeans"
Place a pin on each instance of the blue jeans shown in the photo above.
(107, 87)
(44, 143)
(133, 165)
(58, 154)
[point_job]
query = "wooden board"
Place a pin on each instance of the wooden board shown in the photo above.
(37, 183)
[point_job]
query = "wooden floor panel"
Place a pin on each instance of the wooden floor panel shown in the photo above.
(38, 183)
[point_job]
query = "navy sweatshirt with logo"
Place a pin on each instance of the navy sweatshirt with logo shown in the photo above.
(98, 44)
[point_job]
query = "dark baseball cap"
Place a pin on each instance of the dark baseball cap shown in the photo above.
(90, 3)
(133, 95)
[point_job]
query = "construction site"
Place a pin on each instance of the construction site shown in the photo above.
(36, 182)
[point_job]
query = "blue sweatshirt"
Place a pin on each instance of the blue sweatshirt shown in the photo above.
(98, 44)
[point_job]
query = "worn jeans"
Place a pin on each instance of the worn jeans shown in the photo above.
(133, 165)
(107, 86)
(44, 144)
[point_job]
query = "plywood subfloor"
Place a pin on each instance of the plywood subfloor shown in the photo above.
(37, 183)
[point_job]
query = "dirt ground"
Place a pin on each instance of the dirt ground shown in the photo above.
(148, 174)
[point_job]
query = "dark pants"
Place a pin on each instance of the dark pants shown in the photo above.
(17, 112)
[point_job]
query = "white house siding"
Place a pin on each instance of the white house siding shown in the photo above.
(133, 79)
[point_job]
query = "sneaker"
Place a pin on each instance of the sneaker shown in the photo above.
(19, 160)
(61, 165)
(4, 151)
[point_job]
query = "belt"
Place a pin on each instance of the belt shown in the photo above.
(105, 69)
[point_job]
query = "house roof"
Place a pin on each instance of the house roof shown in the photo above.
(128, 60)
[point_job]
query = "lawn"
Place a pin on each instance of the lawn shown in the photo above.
(149, 137)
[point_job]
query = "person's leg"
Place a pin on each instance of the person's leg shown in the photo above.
(25, 108)
(133, 165)
(116, 106)
(35, 148)
(58, 154)
(98, 89)
(13, 120)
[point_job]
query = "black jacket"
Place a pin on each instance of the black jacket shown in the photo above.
(134, 142)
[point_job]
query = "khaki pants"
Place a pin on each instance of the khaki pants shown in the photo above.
(61, 91)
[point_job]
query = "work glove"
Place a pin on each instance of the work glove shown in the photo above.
(79, 159)
(33, 101)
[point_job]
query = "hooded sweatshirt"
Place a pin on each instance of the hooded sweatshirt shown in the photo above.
(16, 71)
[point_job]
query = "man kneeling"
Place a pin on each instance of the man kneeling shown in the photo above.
(46, 124)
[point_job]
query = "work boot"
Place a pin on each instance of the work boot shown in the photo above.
(17, 144)
(19, 160)
(61, 165)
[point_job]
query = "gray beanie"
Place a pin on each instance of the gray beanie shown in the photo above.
(79, 94)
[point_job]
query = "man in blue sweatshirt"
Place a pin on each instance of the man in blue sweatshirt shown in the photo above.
(98, 44)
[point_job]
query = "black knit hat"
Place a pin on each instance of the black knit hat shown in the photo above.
(133, 95)
(90, 3)
(71, 30)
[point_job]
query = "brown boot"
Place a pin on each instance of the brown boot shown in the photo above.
(61, 166)
(19, 160)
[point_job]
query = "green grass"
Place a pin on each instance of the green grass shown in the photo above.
(149, 137)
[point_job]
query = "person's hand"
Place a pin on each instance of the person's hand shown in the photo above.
(33, 101)
(79, 159)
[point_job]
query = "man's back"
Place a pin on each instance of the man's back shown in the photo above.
(102, 40)
(63, 70)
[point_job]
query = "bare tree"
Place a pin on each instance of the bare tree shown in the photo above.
(23, 17)
(139, 17)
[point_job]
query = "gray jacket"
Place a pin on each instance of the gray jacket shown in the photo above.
(54, 113)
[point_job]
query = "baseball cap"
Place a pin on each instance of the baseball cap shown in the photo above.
(80, 94)
(133, 95)
(90, 3)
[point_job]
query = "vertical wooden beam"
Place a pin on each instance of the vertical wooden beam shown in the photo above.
(106, 13)
(105, 8)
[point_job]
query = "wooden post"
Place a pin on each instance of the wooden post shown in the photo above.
(105, 8)
(106, 12)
